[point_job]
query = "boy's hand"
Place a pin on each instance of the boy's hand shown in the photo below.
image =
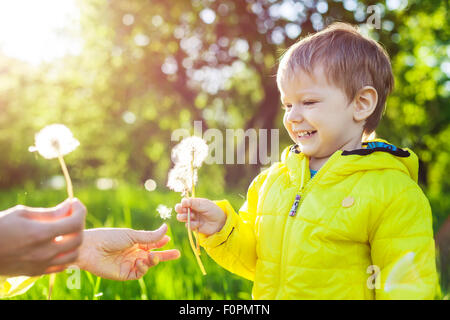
(206, 216)
(123, 254)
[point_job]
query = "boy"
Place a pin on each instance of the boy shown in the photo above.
(340, 217)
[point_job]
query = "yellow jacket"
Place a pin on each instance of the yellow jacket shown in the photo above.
(363, 229)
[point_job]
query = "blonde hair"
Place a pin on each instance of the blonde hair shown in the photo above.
(351, 60)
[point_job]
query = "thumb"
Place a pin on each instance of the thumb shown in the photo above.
(62, 210)
(148, 237)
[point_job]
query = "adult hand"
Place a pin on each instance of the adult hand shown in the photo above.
(35, 241)
(123, 254)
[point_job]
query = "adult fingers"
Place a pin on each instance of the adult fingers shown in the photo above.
(62, 210)
(65, 258)
(51, 249)
(68, 243)
(167, 255)
(153, 259)
(158, 244)
(63, 226)
(54, 269)
(141, 266)
(124, 271)
(147, 237)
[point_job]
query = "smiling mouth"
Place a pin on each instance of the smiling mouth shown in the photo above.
(306, 134)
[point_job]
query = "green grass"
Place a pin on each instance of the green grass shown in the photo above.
(133, 207)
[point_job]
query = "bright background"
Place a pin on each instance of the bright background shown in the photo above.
(122, 75)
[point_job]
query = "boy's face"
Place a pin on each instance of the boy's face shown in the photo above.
(313, 104)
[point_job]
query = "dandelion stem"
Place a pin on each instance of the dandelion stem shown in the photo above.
(195, 248)
(52, 278)
(66, 176)
(195, 231)
(51, 283)
(193, 245)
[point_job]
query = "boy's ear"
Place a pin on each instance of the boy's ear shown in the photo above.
(365, 103)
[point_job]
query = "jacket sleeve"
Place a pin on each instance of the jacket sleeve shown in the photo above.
(403, 248)
(234, 246)
(10, 287)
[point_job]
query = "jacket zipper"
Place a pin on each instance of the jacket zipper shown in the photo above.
(302, 195)
(318, 175)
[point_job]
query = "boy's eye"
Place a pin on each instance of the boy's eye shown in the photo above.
(286, 106)
(309, 102)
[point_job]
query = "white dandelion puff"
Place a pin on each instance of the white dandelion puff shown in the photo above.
(190, 151)
(164, 211)
(53, 141)
(182, 178)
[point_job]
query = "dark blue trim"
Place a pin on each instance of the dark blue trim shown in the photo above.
(378, 146)
(371, 147)
(294, 148)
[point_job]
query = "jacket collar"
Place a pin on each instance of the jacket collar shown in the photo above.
(376, 154)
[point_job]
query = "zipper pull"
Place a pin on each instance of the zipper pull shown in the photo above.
(295, 205)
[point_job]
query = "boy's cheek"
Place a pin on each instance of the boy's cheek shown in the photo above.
(287, 126)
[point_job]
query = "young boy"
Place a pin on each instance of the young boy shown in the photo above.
(341, 216)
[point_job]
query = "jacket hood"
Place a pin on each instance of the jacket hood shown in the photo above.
(376, 154)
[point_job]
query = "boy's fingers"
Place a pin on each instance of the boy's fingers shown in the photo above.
(194, 225)
(183, 217)
(186, 202)
(180, 209)
(198, 204)
(147, 237)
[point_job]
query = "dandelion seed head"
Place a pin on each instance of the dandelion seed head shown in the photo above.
(164, 212)
(180, 179)
(54, 140)
(174, 182)
(190, 151)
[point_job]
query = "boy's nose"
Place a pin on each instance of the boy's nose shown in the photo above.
(295, 115)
